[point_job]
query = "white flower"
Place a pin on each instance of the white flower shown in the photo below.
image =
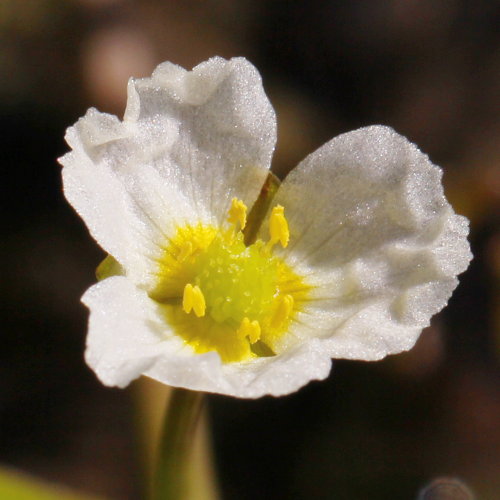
(364, 252)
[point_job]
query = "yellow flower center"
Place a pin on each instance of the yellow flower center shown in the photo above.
(222, 295)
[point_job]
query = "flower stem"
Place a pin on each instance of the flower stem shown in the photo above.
(176, 442)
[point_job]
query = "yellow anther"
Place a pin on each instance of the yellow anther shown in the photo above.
(187, 298)
(185, 251)
(193, 299)
(199, 304)
(250, 329)
(278, 227)
(283, 310)
(238, 213)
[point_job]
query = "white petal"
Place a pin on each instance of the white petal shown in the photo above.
(225, 123)
(128, 336)
(373, 232)
(274, 376)
(190, 141)
(125, 336)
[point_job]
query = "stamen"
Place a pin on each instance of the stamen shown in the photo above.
(250, 329)
(193, 299)
(238, 213)
(283, 310)
(278, 227)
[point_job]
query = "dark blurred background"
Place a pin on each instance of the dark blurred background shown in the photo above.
(430, 69)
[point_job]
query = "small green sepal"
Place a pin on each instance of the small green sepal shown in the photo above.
(109, 267)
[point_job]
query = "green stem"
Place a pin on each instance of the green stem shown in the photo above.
(176, 442)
